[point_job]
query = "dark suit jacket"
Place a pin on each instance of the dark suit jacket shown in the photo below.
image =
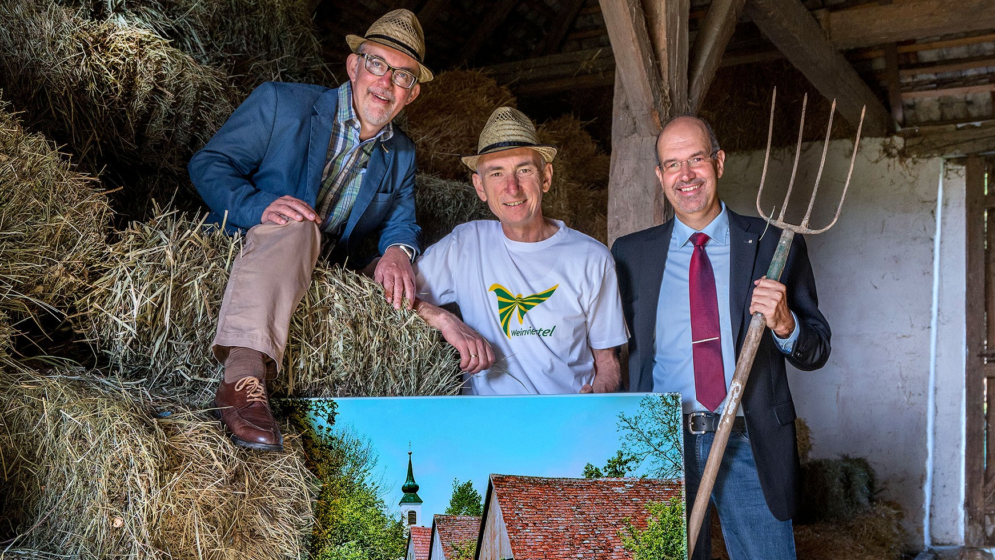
(770, 413)
(276, 144)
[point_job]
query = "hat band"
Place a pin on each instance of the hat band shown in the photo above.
(508, 144)
(408, 50)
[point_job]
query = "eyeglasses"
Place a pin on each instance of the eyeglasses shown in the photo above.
(378, 67)
(697, 162)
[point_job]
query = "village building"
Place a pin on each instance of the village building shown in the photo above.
(454, 537)
(410, 503)
(533, 517)
(419, 541)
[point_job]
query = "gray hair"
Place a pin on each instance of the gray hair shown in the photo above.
(708, 128)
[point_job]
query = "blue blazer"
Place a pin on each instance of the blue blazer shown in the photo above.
(275, 144)
(640, 259)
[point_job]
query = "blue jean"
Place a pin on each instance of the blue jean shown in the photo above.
(751, 532)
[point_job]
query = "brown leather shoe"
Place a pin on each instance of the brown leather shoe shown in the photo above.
(243, 408)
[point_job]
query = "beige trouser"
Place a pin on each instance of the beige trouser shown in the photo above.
(267, 281)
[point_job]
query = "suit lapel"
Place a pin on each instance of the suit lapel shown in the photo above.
(380, 160)
(742, 256)
(322, 119)
(656, 251)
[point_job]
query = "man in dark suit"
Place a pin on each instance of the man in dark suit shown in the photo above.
(688, 290)
(298, 166)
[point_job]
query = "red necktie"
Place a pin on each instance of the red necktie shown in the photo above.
(709, 377)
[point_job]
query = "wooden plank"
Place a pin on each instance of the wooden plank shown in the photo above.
(894, 83)
(904, 20)
(924, 46)
(667, 23)
(795, 32)
(958, 90)
(564, 23)
(638, 69)
(496, 14)
(974, 469)
(521, 75)
(710, 45)
(950, 141)
(955, 65)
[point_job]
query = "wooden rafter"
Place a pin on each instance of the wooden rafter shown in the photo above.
(903, 20)
(795, 32)
(638, 69)
(709, 46)
(949, 140)
(667, 23)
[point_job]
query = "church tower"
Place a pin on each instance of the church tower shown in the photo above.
(410, 502)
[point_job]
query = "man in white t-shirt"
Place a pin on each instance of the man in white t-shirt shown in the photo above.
(540, 302)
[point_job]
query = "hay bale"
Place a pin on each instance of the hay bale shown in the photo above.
(874, 535)
(226, 502)
(155, 311)
(81, 467)
(579, 158)
(804, 439)
(443, 204)
(446, 120)
(836, 489)
(256, 40)
(54, 223)
(109, 89)
(92, 473)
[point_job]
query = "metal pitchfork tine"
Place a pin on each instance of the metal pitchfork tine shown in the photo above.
(758, 323)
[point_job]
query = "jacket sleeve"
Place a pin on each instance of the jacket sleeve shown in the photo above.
(399, 226)
(812, 349)
(222, 171)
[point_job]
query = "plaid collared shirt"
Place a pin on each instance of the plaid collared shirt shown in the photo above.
(345, 164)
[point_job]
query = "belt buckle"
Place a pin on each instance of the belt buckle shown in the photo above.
(691, 418)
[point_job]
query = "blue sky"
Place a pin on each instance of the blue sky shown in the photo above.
(470, 437)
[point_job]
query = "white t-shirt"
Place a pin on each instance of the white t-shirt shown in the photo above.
(542, 306)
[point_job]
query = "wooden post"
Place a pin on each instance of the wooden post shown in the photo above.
(709, 45)
(974, 530)
(667, 23)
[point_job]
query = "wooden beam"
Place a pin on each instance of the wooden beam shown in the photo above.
(894, 83)
(974, 456)
(955, 90)
(638, 69)
(864, 54)
(795, 32)
(564, 23)
(710, 45)
(496, 14)
(667, 23)
(949, 141)
(557, 72)
(952, 65)
(905, 20)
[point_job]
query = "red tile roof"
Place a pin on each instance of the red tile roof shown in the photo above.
(456, 529)
(575, 517)
(421, 537)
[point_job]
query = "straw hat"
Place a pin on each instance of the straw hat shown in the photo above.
(507, 129)
(400, 31)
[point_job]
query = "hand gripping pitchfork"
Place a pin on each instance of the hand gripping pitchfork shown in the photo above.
(758, 324)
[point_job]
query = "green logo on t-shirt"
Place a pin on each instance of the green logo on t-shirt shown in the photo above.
(507, 304)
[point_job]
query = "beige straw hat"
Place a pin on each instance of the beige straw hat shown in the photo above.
(507, 129)
(400, 31)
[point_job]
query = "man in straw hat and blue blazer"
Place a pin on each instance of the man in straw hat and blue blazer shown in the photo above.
(540, 300)
(299, 166)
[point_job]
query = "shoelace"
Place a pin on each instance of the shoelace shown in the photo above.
(255, 391)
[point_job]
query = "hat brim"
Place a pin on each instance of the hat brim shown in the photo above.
(547, 153)
(354, 41)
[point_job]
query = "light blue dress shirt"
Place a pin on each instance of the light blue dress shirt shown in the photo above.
(673, 367)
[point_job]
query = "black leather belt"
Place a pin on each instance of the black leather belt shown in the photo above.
(698, 423)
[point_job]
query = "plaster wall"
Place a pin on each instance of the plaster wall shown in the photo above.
(874, 272)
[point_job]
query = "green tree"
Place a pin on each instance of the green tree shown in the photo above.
(465, 500)
(617, 467)
(655, 434)
(464, 550)
(665, 535)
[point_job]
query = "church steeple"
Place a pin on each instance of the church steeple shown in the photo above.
(410, 503)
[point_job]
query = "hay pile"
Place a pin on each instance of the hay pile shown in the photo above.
(53, 223)
(836, 489)
(257, 40)
(443, 204)
(91, 473)
(446, 120)
(109, 89)
(154, 314)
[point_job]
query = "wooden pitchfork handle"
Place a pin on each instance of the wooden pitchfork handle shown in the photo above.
(743, 367)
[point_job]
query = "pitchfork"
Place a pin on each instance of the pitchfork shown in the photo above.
(758, 323)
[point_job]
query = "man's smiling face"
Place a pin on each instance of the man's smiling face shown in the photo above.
(376, 99)
(691, 188)
(512, 183)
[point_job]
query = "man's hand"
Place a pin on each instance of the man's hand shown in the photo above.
(475, 353)
(770, 297)
(287, 208)
(607, 372)
(394, 273)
